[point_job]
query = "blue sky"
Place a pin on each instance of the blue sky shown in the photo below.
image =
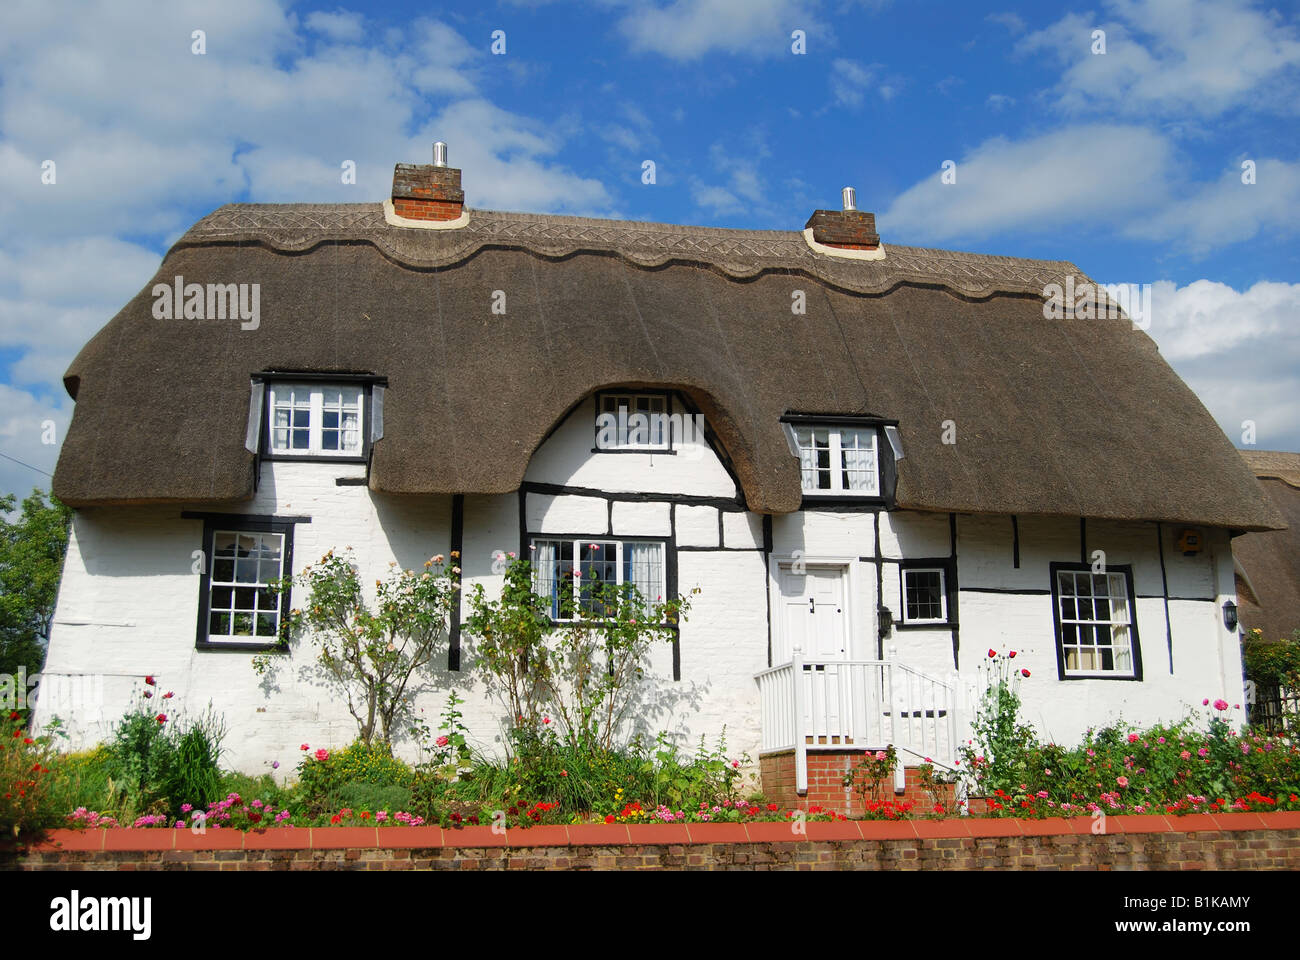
(1128, 163)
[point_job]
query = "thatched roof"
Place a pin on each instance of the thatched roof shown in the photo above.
(1066, 417)
(1270, 561)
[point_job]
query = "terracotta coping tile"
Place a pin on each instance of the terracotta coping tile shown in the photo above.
(337, 838)
(278, 838)
(409, 838)
(599, 834)
(475, 835)
(717, 833)
(660, 832)
(538, 836)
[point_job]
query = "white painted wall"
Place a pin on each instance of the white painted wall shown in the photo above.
(129, 599)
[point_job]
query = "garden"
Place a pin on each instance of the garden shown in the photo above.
(567, 692)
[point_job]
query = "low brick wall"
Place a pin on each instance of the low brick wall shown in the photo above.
(1241, 841)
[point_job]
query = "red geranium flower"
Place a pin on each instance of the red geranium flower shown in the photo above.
(609, 818)
(992, 653)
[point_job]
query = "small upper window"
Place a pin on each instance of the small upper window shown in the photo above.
(924, 597)
(632, 421)
(838, 460)
(315, 420)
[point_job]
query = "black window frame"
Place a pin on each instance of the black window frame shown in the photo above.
(1076, 567)
(949, 569)
(240, 523)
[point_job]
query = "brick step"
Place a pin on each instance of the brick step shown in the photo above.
(826, 771)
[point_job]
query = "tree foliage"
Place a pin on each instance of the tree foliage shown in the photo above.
(32, 546)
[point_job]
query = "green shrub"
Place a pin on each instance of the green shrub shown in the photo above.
(157, 762)
(374, 797)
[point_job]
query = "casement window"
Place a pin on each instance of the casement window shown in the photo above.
(242, 561)
(1096, 630)
(567, 570)
(632, 421)
(925, 596)
(838, 461)
(315, 419)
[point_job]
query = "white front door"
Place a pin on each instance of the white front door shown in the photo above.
(814, 622)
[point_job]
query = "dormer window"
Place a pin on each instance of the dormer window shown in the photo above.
(315, 416)
(838, 460)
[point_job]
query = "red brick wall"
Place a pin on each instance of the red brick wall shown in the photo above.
(427, 209)
(826, 770)
(1243, 841)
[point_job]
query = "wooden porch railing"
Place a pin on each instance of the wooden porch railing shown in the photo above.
(856, 705)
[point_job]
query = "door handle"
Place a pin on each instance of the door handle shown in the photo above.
(812, 605)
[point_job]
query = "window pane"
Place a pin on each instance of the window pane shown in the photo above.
(924, 594)
(235, 610)
(858, 455)
(643, 568)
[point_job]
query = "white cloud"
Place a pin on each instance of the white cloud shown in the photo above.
(997, 102)
(1121, 178)
(1052, 183)
(1012, 21)
(23, 421)
(690, 29)
(1238, 350)
(341, 26)
(143, 131)
(1198, 57)
(1225, 211)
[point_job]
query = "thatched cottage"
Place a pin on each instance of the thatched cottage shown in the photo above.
(904, 462)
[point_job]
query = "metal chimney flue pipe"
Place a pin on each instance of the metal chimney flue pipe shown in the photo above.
(439, 154)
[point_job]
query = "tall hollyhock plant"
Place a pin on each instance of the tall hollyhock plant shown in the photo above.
(996, 755)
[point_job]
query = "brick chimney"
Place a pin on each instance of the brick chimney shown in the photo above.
(428, 191)
(847, 229)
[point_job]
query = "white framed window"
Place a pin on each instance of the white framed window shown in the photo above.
(838, 461)
(1096, 634)
(925, 597)
(315, 420)
(561, 566)
(632, 421)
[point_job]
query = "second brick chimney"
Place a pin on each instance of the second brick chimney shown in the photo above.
(847, 229)
(428, 191)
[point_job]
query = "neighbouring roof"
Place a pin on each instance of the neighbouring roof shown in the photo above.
(1075, 417)
(1271, 560)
